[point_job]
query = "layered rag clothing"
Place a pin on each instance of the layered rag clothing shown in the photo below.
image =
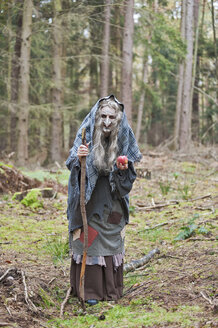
(107, 209)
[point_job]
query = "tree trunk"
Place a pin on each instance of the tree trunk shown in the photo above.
(194, 110)
(95, 28)
(118, 51)
(56, 129)
(23, 95)
(180, 81)
(215, 43)
(14, 83)
(105, 51)
(142, 100)
(127, 59)
(185, 126)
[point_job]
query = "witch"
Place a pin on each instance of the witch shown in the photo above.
(108, 183)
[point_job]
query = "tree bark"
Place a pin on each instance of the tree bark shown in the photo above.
(118, 51)
(215, 43)
(14, 83)
(185, 126)
(23, 96)
(180, 81)
(194, 110)
(127, 59)
(56, 134)
(142, 100)
(105, 51)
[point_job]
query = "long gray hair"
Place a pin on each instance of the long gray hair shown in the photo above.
(106, 148)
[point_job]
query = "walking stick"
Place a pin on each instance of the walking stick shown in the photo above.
(85, 225)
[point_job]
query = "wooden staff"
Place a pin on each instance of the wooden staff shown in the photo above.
(85, 225)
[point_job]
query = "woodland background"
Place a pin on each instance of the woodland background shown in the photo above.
(58, 57)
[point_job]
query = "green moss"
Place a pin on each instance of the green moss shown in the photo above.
(7, 165)
(32, 199)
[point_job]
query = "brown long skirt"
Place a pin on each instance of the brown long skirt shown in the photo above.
(101, 283)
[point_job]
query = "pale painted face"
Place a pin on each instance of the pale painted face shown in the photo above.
(108, 119)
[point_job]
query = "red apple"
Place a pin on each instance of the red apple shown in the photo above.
(122, 160)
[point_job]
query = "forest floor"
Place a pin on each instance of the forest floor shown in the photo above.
(173, 207)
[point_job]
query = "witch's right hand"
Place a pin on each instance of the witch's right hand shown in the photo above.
(82, 151)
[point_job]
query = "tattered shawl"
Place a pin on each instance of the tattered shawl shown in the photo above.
(126, 146)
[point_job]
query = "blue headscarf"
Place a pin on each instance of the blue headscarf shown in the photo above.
(126, 146)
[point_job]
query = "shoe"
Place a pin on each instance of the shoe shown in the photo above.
(92, 302)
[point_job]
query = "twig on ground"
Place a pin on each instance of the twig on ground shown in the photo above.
(172, 256)
(51, 280)
(64, 273)
(151, 208)
(27, 299)
(136, 287)
(137, 275)
(142, 267)
(201, 239)
(6, 324)
(65, 301)
(201, 197)
(54, 196)
(154, 227)
(200, 208)
(5, 274)
(138, 263)
(7, 308)
(206, 298)
(142, 207)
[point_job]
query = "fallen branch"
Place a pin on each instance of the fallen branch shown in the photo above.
(65, 301)
(138, 263)
(206, 298)
(9, 311)
(142, 207)
(137, 286)
(151, 208)
(204, 208)
(6, 324)
(155, 227)
(51, 280)
(5, 274)
(201, 239)
(27, 299)
(201, 197)
(137, 275)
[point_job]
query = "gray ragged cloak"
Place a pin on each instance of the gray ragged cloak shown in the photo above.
(120, 181)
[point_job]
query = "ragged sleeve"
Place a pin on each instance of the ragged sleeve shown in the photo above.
(124, 179)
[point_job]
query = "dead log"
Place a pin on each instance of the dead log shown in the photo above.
(133, 265)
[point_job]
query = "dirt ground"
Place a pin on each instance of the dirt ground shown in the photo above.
(32, 287)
